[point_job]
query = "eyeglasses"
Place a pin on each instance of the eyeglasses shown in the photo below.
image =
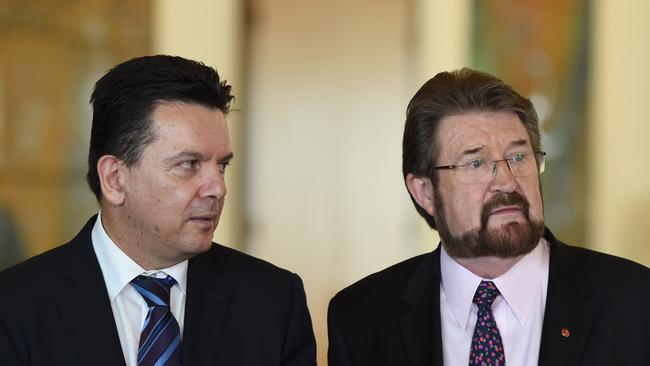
(479, 170)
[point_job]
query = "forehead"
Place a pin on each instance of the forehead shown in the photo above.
(190, 126)
(493, 131)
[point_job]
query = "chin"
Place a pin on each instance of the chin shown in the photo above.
(512, 239)
(509, 233)
(204, 245)
(199, 246)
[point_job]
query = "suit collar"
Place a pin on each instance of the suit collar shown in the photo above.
(568, 317)
(522, 285)
(84, 305)
(570, 307)
(206, 308)
(119, 269)
(83, 302)
(420, 323)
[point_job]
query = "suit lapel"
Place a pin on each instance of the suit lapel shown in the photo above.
(421, 323)
(206, 308)
(82, 301)
(570, 308)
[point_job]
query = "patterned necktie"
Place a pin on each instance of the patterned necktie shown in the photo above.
(160, 340)
(487, 347)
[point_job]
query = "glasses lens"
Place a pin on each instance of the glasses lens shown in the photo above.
(482, 169)
(478, 170)
(525, 164)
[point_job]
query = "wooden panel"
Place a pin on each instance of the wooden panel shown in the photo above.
(51, 53)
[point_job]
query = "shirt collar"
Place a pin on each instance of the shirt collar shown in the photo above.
(119, 269)
(529, 274)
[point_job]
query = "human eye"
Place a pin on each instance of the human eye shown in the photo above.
(475, 163)
(518, 157)
(190, 164)
(223, 166)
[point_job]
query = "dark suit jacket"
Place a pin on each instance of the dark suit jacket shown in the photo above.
(55, 310)
(393, 317)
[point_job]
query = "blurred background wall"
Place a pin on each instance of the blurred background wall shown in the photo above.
(321, 90)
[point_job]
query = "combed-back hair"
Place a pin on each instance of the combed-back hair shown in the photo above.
(123, 101)
(455, 93)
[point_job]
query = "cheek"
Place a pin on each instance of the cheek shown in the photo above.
(463, 209)
(534, 197)
(177, 201)
(166, 201)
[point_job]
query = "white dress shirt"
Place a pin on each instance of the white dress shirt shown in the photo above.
(129, 308)
(518, 310)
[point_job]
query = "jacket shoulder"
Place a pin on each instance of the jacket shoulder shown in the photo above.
(41, 269)
(241, 267)
(608, 268)
(384, 286)
(35, 269)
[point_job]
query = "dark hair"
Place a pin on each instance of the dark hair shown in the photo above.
(453, 93)
(125, 97)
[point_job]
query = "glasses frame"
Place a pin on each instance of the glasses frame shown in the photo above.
(539, 157)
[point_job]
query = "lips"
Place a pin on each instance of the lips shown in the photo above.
(204, 217)
(506, 210)
(205, 222)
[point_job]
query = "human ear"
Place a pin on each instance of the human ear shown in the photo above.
(421, 190)
(111, 172)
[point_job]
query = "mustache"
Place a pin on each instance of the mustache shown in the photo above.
(504, 199)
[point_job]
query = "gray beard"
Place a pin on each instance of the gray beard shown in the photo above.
(508, 241)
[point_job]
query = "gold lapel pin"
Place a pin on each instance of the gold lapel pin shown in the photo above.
(565, 333)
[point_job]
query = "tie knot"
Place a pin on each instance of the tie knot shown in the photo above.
(155, 291)
(485, 294)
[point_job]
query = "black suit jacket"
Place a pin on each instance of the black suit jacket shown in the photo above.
(393, 317)
(55, 310)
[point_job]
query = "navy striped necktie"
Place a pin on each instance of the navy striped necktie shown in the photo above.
(160, 340)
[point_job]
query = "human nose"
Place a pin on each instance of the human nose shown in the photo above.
(503, 179)
(213, 184)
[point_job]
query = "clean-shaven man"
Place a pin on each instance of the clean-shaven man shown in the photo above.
(143, 283)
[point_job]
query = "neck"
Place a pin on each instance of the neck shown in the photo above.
(130, 243)
(488, 267)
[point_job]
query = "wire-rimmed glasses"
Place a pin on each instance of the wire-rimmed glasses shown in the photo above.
(481, 169)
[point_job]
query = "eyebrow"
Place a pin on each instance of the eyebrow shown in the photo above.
(185, 154)
(520, 142)
(227, 158)
(473, 150)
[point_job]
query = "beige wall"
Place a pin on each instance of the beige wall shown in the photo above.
(328, 86)
(620, 195)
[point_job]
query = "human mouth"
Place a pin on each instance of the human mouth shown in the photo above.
(504, 210)
(205, 221)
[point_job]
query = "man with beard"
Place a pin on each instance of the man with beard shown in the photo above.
(500, 289)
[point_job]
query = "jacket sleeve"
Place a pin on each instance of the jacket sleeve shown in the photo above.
(299, 345)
